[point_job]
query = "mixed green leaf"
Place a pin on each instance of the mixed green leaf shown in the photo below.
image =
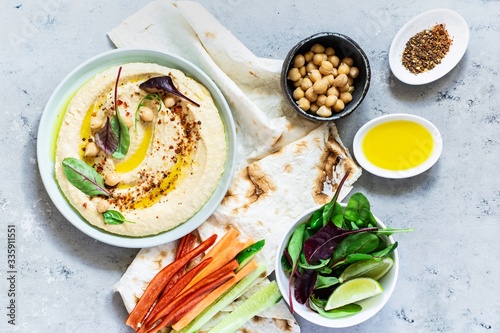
(84, 177)
(114, 137)
(162, 84)
(332, 239)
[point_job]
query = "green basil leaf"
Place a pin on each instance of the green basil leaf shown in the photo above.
(84, 177)
(114, 217)
(121, 128)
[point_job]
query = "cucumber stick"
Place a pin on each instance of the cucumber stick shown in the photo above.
(248, 253)
(246, 283)
(263, 299)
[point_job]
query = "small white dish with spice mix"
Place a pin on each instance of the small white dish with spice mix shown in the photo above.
(443, 31)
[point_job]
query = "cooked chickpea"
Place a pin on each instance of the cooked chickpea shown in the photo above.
(111, 179)
(320, 86)
(304, 104)
(303, 71)
(330, 79)
(354, 72)
(294, 74)
(344, 88)
(315, 75)
(96, 123)
(318, 48)
(334, 60)
(324, 111)
(340, 80)
(314, 107)
(323, 82)
(311, 95)
(308, 56)
(345, 97)
(333, 91)
(102, 206)
(306, 84)
(310, 66)
(299, 60)
(169, 101)
(338, 106)
(326, 68)
(348, 61)
(318, 58)
(146, 114)
(128, 121)
(330, 100)
(343, 68)
(297, 83)
(329, 51)
(298, 93)
(320, 101)
(91, 150)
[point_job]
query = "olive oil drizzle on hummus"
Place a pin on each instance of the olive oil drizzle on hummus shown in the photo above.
(175, 159)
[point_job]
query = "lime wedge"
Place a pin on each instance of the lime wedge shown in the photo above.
(352, 291)
(370, 268)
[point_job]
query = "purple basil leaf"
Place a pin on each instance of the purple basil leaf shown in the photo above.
(322, 244)
(304, 285)
(163, 84)
(107, 138)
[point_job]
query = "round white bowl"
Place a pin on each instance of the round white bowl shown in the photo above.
(370, 306)
(54, 111)
(457, 28)
(378, 171)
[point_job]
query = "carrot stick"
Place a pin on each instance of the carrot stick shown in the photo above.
(180, 305)
(180, 247)
(166, 307)
(174, 290)
(226, 241)
(220, 260)
(160, 280)
(215, 294)
(186, 245)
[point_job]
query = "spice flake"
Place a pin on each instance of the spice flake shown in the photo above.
(426, 49)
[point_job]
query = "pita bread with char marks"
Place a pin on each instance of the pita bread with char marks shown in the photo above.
(285, 164)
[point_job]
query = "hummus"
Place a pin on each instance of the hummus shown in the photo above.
(176, 156)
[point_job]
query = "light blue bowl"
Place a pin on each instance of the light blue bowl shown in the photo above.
(54, 111)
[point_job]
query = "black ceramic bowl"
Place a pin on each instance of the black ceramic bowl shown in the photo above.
(344, 47)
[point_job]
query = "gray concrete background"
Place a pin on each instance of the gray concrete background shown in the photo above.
(449, 266)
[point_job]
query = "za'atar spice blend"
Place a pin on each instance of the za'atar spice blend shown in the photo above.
(426, 49)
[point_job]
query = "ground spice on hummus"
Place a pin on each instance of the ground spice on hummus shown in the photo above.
(426, 49)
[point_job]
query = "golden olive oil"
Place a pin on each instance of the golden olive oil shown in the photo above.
(398, 145)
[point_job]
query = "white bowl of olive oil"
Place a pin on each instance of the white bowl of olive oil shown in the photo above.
(397, 145)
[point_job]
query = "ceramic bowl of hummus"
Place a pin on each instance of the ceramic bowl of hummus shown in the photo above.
(136, 147)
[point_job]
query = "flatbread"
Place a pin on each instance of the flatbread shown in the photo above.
(285, 164)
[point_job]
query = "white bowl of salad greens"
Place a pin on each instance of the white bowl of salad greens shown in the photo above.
(345, 263)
